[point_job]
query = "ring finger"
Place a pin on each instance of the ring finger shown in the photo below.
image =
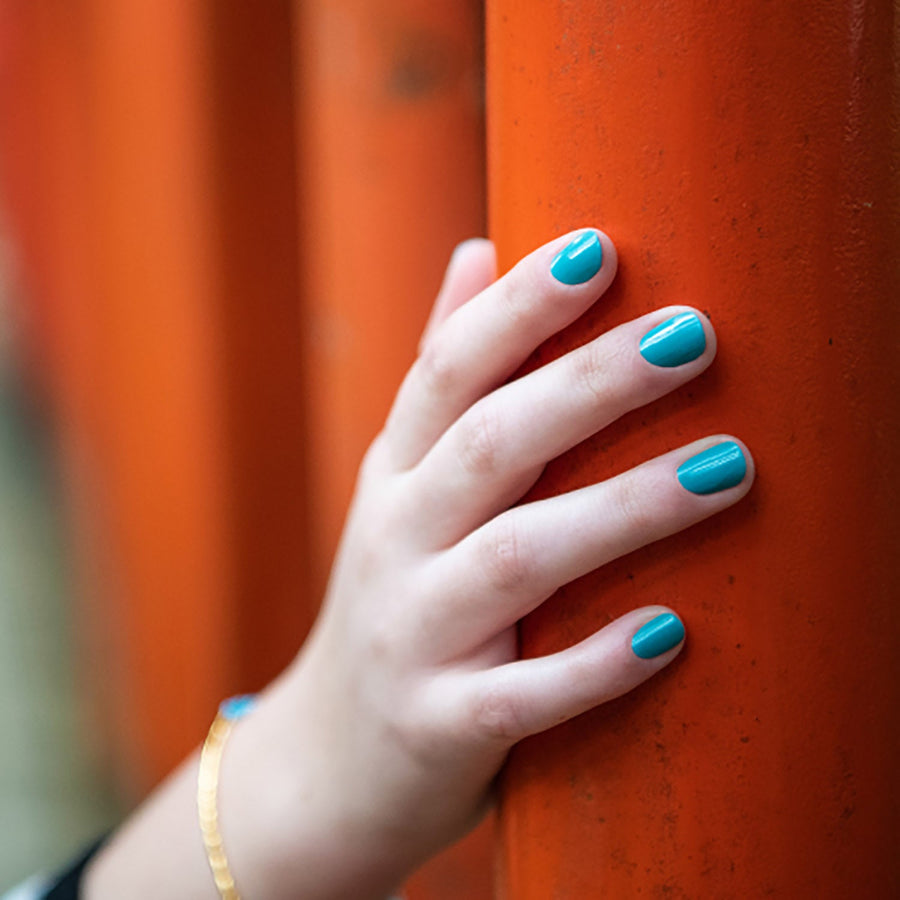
(511, 565)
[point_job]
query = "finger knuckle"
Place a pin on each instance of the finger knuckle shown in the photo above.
(498, 714)
(515, 304)
(507, 559)
(381, 641)
(417, 730)
(636, 515)
(590, 372)
(439, 368)
(480, 443)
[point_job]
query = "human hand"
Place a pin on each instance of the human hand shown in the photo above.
(388, 730)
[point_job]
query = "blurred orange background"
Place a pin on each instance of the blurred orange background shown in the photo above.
(229, 223)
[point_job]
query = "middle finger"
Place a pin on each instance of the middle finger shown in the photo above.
(498, 448)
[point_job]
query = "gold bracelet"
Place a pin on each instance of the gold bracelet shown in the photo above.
(208, 787)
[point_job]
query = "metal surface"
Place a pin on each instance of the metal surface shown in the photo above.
(150, 163)
(743, 157)
(391, 156)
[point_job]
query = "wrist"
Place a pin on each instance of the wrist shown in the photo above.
(286, 824)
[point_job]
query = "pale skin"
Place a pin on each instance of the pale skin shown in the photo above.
(379, 744)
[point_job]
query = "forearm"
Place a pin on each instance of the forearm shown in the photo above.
(158, 852)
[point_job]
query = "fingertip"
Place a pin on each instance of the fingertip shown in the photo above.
(677, 337)
(750, 463)
(482, 246)
(472, 268)
(719, 465)
(712, 341)
(474, 261)
(744, 485)
(660, 637)
(610, 254)
(581, 257)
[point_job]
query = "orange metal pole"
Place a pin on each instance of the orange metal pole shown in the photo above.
(391, 161)
(256, 227)
(195, 222)
(392, 176)
(161, 250)
(743, 157)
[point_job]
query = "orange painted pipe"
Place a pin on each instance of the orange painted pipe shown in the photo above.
(743, 157)
(391, 159)
(164, 471)
(391, 142)
(197, 287)
(159, 246)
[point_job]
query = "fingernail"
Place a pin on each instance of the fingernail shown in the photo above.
(658, 635)
(580, 261)
(675, 342)
(715, 469)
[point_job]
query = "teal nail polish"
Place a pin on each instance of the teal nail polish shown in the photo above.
(715, 469)
(580, 261)
(658, 635)
(675, 342)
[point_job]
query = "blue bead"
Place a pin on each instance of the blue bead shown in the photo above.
(235, 707)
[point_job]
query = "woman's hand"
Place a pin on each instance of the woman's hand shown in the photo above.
(388, 730)
(379, 744)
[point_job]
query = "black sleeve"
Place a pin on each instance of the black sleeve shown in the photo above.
(67, 885)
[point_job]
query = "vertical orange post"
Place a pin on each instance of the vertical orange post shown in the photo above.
(253, 160)
(158, 141)
(391, 151)
(196, 302)
(391, 147)
(743, 157)
(160, 471)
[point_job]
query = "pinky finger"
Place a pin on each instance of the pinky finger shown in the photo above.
(507, 703)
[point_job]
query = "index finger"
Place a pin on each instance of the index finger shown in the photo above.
(483, 343)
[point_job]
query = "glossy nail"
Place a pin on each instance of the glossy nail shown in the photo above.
(657, 636)
(720, 467)
(580, 261)
(674, 342)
